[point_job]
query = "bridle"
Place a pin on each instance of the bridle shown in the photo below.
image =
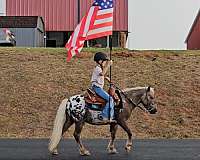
(148, 107)
(141, 101)
(130, 100)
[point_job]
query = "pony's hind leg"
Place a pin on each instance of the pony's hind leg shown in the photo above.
(59, 122)
(66, 126)
(113, 129)
(77, 132)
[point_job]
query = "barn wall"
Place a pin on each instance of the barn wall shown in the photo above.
(62, 15)
(194, 39)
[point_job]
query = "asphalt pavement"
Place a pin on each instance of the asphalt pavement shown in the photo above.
(36, 149)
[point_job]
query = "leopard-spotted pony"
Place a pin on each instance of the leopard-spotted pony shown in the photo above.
(75, 111)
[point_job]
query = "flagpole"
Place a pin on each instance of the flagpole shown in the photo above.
(110, 46)
(78, 1)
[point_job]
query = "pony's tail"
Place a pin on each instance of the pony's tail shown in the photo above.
(58, 126)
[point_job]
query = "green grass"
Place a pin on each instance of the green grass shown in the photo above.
(58, 50)
(94, 50)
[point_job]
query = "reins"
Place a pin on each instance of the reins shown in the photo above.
(129, 99)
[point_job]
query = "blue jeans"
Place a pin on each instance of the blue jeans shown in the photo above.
(105, 113)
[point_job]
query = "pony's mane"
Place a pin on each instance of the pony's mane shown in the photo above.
(136, 89)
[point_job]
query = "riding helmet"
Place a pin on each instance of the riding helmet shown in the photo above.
(100, 56)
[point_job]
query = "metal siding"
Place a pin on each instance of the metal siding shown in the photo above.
(115, 22)
(40, 24)
(28, 37)
(61, 15)
(39, 33)
(120, 13)
(84, 7)
(35, 37)
(39, 38)
(57, 16)
(125, 16)
(24, 36)
(25, 8)
(194, 39)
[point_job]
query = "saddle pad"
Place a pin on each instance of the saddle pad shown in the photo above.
(94, 107)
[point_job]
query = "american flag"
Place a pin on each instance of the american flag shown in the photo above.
(98, 22)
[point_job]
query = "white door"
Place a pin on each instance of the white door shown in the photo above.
(2, 7)
(130, 44)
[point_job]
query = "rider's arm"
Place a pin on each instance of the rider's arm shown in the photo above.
(106, 67)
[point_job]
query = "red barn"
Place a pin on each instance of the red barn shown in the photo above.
(193, 38)
(61, 17)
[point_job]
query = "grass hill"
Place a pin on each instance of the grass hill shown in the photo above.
(34, 81)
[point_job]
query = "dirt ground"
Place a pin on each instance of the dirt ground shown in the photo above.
(34, 81)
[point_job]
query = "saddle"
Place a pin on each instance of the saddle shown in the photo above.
(92, 98)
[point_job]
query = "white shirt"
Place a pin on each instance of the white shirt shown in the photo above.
(97, 79)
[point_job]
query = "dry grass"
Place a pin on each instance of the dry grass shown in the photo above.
(34, 81)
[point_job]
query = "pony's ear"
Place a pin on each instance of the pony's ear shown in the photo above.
(148, 89)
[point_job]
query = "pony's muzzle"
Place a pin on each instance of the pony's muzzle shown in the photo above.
(152, 109)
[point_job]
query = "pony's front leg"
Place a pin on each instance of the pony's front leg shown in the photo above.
(129, 143)
(77, 132)
(113, 129)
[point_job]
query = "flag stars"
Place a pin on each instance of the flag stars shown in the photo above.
(103, 4)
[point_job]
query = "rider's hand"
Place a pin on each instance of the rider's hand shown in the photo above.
(107, 78)
(110, 62)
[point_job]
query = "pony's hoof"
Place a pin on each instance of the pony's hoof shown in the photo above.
(112, 151)
(85, 153)
(128, 148)
(55, 152)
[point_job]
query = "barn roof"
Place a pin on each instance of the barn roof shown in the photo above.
(193, 25)
(19, 21)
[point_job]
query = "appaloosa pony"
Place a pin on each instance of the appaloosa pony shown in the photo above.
(76, 111)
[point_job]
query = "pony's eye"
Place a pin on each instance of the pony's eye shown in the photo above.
(151, 97)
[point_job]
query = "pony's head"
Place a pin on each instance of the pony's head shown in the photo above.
(142, 96)
(148, 100)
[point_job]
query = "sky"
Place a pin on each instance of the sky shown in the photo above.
(160, 24)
